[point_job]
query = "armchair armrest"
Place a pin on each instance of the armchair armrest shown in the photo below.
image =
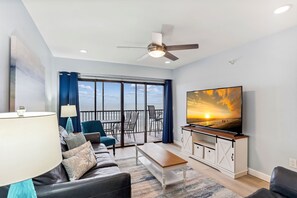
(118, 185)
(93, 137)
(284, 182)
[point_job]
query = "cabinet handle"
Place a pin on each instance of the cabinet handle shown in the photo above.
(182, 139)
(232, 157)
(209, 151)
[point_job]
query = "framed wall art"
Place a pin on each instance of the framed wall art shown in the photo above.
(27, 78)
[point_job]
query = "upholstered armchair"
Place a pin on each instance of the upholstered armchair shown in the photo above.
(96, 126)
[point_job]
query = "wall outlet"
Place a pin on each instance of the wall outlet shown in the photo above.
(292, 163)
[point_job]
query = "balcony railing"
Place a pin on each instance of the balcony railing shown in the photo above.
(116, 115)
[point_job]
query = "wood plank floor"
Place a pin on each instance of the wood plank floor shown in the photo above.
(243, 186)
(139, 136)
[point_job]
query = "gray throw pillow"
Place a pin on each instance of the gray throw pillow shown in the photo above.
(74, 140)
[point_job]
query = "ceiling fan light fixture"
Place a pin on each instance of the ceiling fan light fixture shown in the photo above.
(157, 53)
(155, 50)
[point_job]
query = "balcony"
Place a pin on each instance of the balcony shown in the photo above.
(154, 129)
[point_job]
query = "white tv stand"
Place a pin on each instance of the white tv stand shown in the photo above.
(225, 152)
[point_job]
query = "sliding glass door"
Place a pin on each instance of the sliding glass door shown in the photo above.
(141, 101)
(155, 101)
(134, 103)
(112, 109)
(122, 107)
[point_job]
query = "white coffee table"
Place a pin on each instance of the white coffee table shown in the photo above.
(161, 163)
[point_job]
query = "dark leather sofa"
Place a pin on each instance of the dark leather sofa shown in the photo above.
(283, 184)
(103, 180)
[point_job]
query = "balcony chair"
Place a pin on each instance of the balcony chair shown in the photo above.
(129, 124)
(154, 118)
(96, 126)
(127, 119)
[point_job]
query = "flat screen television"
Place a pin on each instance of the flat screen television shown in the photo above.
(219, 108)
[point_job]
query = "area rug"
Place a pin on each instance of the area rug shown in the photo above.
(145, 185)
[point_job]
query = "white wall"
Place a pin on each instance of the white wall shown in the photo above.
(97, 68)
(14, 19)
(267, 70)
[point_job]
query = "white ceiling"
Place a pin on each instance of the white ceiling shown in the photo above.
(100, 25)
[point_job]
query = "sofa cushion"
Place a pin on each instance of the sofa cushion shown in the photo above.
(101, 172)
(72, 152)
(80, 163)
(56, 175)
(104, 160)
(100, 148)
(75, 140)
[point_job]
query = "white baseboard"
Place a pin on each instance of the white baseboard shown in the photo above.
(179, 143)
(258, 174)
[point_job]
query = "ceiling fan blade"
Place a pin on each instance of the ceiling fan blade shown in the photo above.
(157, 38)
(140, 47)
(170, 56)
(182, 47)
(143, 57)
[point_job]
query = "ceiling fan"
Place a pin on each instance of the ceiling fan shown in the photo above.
(158, 49)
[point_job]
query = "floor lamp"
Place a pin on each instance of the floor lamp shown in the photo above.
(68, 111)
(29, 147)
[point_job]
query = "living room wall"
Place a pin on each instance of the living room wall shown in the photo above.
(97, 68)
(14, 19)
(267, 70)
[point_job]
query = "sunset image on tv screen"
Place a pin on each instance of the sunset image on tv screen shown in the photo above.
(216, 108)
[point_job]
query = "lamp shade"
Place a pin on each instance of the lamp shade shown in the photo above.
(68, 111)
(29, 145)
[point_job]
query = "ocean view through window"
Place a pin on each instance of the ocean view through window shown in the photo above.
(104, 100)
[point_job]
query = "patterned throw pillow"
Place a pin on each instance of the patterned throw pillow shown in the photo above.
(80, 163)
(76, 150)
(74, 140)
(63, 134)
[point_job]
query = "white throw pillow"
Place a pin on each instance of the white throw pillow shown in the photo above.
(77, 165)
(72, 152)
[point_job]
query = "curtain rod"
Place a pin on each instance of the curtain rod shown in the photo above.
(122, 78)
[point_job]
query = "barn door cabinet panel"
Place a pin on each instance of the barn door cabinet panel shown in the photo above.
(187, 141)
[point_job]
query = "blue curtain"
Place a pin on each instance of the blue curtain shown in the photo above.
(68, 94)
(168, 114)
